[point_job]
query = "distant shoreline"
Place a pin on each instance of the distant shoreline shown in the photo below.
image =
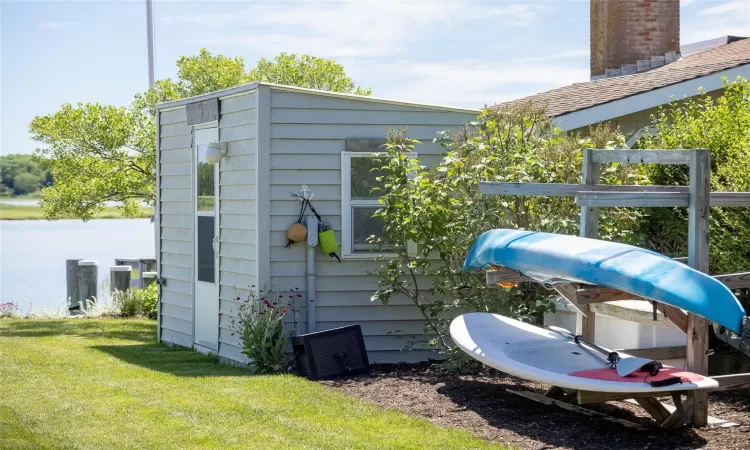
(8, 211)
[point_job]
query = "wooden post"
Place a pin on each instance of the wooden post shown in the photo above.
(148, 279)
(88, 276)
(589, 229)
(71, 280)
(697, 327)
(119, 278)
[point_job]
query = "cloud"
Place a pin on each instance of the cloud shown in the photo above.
(729, 7)
(349, 28)
(726, 18)
(52, 24)
(568, 54)
(468, 83)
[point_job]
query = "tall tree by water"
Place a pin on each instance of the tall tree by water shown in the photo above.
(102, 153)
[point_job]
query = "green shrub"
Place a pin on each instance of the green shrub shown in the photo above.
(150, 301)
(260, 327)
(722, 125)
(440, 209)
(136, 302)
(128, 303)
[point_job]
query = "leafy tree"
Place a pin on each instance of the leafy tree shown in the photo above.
(440, 209)
(101, 153)
(306, 71)
(96, 155)
(722, 125)
(26, 183)
(20, 175)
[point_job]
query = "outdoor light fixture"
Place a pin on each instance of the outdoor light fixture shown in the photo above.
(215, 151)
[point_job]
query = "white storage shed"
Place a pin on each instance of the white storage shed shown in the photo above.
(278, 138)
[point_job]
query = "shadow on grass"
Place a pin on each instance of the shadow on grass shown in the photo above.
(131, 330)
(557, 427)
(178, 361)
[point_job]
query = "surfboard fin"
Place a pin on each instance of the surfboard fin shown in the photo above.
(626, 366)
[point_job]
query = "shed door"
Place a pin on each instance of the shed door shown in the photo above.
(206, 176)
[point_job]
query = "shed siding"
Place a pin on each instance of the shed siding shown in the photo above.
(176, 226)
(308, 134)
(238, 196)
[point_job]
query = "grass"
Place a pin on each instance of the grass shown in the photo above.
(32, 212)
(106, 383)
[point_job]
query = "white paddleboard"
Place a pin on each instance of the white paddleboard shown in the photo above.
(544, 356)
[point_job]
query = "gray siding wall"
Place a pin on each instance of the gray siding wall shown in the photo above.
(176, 227)
(238, 194)
(307, 135)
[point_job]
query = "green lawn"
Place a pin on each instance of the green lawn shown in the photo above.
(31, 212)
(107, 384)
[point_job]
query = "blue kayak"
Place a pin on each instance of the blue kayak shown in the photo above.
(553, 258)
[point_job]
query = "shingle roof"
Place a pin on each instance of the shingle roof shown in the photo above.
(580, 96)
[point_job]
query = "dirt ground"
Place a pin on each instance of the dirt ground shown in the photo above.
(481, 405)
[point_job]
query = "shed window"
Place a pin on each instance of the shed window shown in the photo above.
(359, 201)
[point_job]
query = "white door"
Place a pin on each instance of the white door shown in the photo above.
(206, 199)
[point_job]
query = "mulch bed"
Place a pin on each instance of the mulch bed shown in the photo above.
(480, 405)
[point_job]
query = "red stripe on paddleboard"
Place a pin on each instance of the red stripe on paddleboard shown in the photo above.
(607, 374)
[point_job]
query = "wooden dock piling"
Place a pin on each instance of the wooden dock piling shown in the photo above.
(119, 278)
(88, 275)
(71, 279)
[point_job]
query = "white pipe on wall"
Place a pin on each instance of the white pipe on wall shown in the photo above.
(312, 242)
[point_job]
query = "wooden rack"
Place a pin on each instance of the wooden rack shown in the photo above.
(590, 196)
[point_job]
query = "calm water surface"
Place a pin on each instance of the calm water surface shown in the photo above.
(33, 254)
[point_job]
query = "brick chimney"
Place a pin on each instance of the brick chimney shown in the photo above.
(629, 36)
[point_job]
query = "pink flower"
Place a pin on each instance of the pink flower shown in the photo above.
(238, 298)
(299, 295)
(274, 303)
(286, 310)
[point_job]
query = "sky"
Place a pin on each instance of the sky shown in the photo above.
(454, 53)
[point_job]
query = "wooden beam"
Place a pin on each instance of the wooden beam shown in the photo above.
(735, 280)
(642, 156)
(598, 294)
(565, 190)
(567, 406)
(568, 291)
(732, 382)
(698, 226)
(631, 199)
(589, 229)
(676, 316)
(504, 275)
(631, 315)
(657, 353)
(730, 199)
(586, 397)
(656, 199)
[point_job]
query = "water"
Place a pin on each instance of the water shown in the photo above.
(33, 254)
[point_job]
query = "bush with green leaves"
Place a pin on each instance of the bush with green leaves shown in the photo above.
(260, 327)
(136, 302)
(439, 211)
(150, 297)
(722, 125)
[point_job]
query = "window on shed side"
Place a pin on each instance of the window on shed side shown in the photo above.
(359, 202)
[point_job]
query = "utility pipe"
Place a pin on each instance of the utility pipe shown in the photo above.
(312, 242)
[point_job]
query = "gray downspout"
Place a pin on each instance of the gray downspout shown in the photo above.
(312, 242)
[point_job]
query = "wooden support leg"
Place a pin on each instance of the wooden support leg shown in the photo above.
(654, 408)
(567, 406)
(678, 417)
(697, 362)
